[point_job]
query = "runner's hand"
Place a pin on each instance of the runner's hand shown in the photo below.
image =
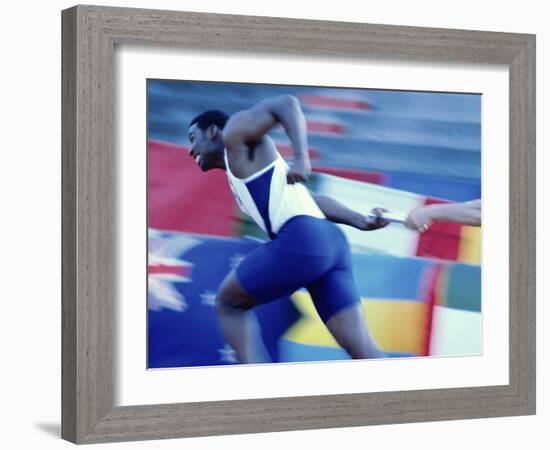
(374, 223)
(299, 171)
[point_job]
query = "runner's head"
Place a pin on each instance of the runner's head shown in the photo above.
(205, 136)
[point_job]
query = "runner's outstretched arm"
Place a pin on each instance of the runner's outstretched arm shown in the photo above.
(339, 213)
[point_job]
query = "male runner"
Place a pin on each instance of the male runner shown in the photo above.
(306, 249)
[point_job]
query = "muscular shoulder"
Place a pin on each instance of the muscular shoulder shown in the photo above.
(234, 132)
(248, 126)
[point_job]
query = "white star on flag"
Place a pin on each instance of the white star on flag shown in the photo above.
(208, 298)
(163, 294)
(227, 354)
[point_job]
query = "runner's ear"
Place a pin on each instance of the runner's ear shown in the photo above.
(212, 131)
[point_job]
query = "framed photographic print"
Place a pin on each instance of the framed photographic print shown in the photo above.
(268, 230)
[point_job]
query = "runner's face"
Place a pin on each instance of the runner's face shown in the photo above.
(205, 148)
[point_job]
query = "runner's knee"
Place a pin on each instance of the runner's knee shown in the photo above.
(231, 296)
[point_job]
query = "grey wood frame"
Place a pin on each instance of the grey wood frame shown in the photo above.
(88, 199)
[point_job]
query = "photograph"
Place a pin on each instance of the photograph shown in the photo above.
(292, 224)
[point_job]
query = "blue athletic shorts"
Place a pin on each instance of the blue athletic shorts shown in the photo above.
(307, 253)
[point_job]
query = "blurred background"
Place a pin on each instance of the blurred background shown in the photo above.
(396, 149)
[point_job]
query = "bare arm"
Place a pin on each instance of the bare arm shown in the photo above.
(339, 213)
(251, 124)
(467, 213)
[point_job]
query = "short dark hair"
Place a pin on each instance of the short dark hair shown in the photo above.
(211, 117)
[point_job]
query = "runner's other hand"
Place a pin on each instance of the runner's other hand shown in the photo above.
(299, 171)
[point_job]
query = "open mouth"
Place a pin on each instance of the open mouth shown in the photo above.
(198, 159)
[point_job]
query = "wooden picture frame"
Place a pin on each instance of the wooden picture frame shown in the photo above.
(90, 34)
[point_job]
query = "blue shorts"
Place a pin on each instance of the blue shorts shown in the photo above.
(307, 252)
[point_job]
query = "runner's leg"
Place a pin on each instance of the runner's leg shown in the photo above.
(339, 305)
(239, 324)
